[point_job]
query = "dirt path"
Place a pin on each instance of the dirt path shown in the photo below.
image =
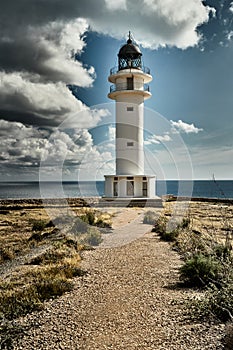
(128, 300)
(126, 228)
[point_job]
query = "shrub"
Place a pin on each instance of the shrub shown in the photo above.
(200, 270)
(229, 336)
(215, 303)
(169, 236)
(93, 237)
(160, 225)
(88, 217)
(149, 218)
(102, 223)
(220, 301)
(6, 254)
(38, 225)
(221, 251)
(185, 223)
(9, 332)
(48, 287)
(15, 302)
(50, 256)
(19, 298)
(79, 226)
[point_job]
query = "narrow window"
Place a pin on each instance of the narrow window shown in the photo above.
(129, 109)
(129, 83)
(130, 144)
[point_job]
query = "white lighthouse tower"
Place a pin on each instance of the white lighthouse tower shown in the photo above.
(130, 89)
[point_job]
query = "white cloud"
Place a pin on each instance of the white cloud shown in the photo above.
(33, 82)
(16, 91)
(155, 22)
(26, 147)
(111, 133)
(183, 127)
(230, 35)
(157, 139)
(113, 5)
(51, 102)
(231, 7)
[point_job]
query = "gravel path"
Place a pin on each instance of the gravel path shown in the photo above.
(128, 300)
(126, 233)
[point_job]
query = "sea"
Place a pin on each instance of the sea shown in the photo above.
(73, 189)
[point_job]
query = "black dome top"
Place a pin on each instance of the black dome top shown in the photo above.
(129, 56)
(129, 50)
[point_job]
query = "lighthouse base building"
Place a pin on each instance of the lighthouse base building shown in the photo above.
(125, 186)
(130, 89)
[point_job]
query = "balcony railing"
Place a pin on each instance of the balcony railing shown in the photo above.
(125, 86)
(115, 70)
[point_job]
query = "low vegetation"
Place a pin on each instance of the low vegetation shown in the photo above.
(49, 255)
(208, 264)
(51, 258)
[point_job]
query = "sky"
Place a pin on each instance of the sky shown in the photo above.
(56, 120)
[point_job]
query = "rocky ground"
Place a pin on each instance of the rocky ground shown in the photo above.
(129, 298)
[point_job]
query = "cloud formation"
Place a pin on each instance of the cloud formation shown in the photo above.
(231, 7)
(26, 147)
(40, 53)
(40, 41)
(153, 22)
(157, 139)
(183, 127)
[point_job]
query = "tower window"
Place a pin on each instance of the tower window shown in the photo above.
(129, 83)
(130, 144)
(129, 109)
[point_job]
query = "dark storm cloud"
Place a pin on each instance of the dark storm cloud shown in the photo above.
(27, 118)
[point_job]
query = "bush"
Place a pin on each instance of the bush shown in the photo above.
(215, 303)
(160, 225)
(16, 302)
(102, 224)
(169, 236)
(20, 298)
(38, 225)
(229, 336)
(52, 287)
(9, 332)
(79, 226)
(88, 217)
(185, 223)
(6, 254)
(221, 251)
(200, 270)
(93, 237)
(149, 218)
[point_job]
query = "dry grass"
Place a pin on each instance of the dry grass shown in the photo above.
(47, 258)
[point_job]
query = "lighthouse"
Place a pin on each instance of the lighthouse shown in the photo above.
(130, 88)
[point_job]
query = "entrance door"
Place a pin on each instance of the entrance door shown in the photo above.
(115, 189)
(130, 188)
(144, 188)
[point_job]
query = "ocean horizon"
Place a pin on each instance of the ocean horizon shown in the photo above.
(73, 189)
